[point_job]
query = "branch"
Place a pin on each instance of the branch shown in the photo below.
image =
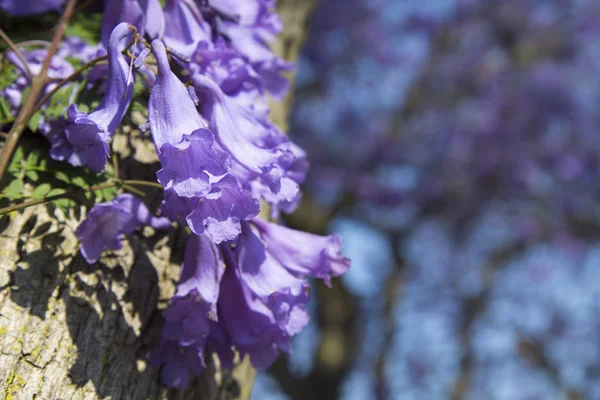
(16, 207)
(126, 184)
(68, 79)
(16, 50)
(38, 82)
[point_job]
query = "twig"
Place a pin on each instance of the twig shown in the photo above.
(125, 184)
(68, 79)
(18, 53)
(38, 82)
(7, 120)
(142, 183)
(16, 207)
(134, 190)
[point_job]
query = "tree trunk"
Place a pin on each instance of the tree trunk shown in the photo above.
(69, 330)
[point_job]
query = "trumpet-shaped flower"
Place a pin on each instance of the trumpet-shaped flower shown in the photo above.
(195, 173)
(187, 320)
(91, 133)
(107, 222)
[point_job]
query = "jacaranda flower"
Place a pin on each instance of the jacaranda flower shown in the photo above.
(107, 222)
(199, 188)
(91, 133)
(187, 320)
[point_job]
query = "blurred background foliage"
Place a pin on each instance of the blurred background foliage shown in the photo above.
(455, 147)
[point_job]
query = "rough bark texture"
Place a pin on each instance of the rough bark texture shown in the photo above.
(69, 330)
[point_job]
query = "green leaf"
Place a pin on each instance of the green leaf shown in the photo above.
(108, 194)
(32, 175)
(41, 191)
(15, 163)
(34, 121)
(56, 191)
(15, 189)
(64, 204)
(33, 158)
(79, 181)
(4, 109)
(62, 176)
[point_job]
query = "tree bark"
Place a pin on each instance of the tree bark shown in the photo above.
(69, 330)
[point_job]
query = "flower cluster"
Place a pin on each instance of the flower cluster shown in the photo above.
(243, 287)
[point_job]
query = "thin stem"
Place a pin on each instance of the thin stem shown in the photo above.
(7, 120)
(57, 38)
(43, 200)
(68, 79)
(115, 163)
(142, 183)
(133, 190)
(14, 48)
(125, 184)
(38, 82)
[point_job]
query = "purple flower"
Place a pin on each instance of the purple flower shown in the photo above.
(59, 69)
(90, 134)
(302, 252)
(232, 132)
(249, 324)
(223, 65)
(191, 166)
(184, 26)
(187, 320)
(264, 288)
(199, 188)
(146, 15)
(28, 7)
(250, 26)
(171, 111)
(106, 222)
(258, 283)
(219, 214)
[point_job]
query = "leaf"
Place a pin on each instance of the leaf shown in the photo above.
(15, 189)
(62, 176)
(34, 121)
(64, 204)
(5, 109)
(41, 191)
(108, 194)
(79, 181)
(33, 158)
(56, 191)
(32, 175)
(15, 163)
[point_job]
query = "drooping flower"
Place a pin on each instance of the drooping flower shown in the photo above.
(264, 289)
(242, 123)
(29, 7)
(188, 318)
(90, 133)
(302, 252)
(232, 133)
(195, 173)
(146, 15)
(219, 214)
(250, 26)
(184, 26)
(107, 222)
